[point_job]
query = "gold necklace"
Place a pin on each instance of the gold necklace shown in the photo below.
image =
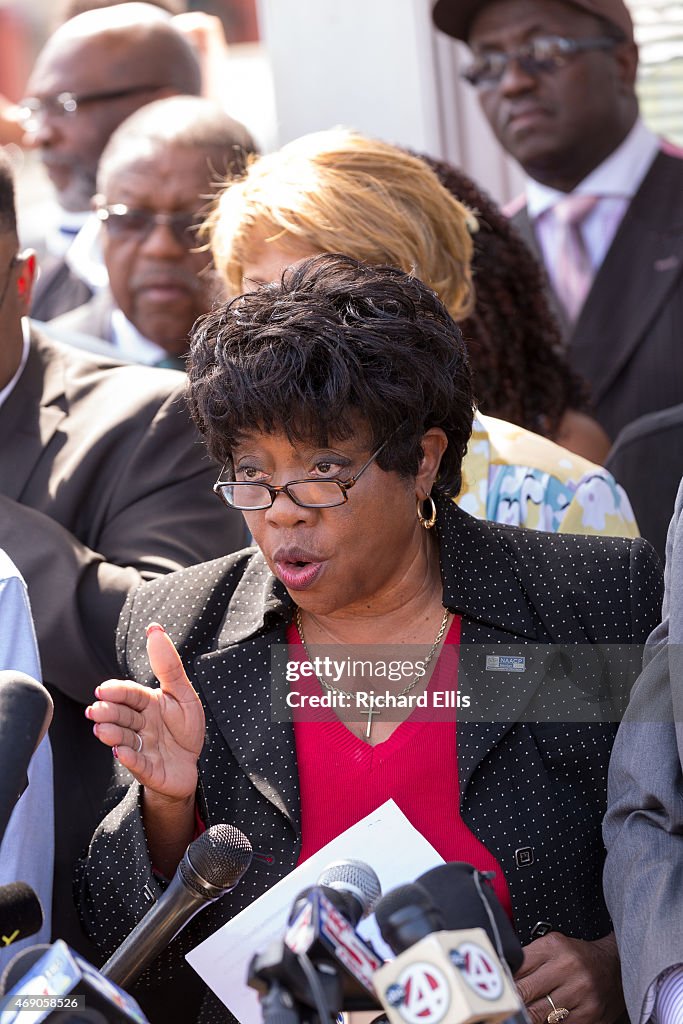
(406, 689)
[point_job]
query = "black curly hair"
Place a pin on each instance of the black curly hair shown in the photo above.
(513, 340)
(335, 347)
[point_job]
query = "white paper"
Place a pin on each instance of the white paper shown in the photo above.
(385, 840)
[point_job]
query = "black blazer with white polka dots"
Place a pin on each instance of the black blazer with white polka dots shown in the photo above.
(532, 787)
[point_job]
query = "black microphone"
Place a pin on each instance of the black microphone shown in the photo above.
(25, 714)
(406, 915)
(467, 900)
(212, 865)
(439, 973)
(21, 914)
(55, 976)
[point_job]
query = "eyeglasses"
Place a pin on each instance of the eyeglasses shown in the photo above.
(123, 221)
(307, 493)
(544, 54)
(65, 104)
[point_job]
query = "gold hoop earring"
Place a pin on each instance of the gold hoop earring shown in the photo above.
(427, 523)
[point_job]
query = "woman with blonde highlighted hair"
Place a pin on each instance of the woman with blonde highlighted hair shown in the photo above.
(339, 191)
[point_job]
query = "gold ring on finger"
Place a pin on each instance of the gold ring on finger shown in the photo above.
(557, 1014)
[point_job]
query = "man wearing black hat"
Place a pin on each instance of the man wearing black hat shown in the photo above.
(604, 202)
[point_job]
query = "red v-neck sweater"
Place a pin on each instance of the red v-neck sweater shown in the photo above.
(342, 779)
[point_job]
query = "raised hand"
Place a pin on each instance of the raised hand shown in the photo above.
(169, 722)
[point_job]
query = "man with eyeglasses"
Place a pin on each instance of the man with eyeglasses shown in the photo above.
(103, 484)
(604, 203)
(93, 72)
(155, 179)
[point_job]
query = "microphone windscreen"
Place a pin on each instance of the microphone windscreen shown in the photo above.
(355, 877)
(345, 902)
(454, 889)
(25, 713)
(20, 964)
(220, 856)
(20, 911)
(406, 915)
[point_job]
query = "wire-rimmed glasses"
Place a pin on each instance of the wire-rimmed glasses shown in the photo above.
(310, 492)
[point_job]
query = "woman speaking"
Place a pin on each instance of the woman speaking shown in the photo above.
(339, 405)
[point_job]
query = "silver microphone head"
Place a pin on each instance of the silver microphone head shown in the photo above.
(355, 877)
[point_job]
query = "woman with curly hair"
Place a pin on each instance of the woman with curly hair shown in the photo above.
(339, 403)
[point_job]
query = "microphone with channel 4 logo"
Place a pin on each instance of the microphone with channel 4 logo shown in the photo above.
(443, 974)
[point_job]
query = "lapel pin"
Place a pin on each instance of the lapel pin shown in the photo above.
(505, 663)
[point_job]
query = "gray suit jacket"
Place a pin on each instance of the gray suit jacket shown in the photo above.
(94, 321)
(627, 340)
(643, 829)
(647, 460)
(93, 318)
(57, 289)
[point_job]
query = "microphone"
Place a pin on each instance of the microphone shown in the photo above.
(25, 714)
(322, 962)
(212, 865)
(406, 915)
(21, 914)
(54, 983)
(323, 928)
(350, 885)
(357, 881)
(468, 900)
(439, 974)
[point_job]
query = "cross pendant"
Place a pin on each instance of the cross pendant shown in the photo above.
(372, 711)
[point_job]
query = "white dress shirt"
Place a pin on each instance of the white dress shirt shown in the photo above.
(85, 256)
(62, 229)
(615, 182)
(132, 346)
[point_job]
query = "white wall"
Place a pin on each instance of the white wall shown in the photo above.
(379, 66)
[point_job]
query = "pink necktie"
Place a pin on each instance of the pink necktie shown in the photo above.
(574, 271)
